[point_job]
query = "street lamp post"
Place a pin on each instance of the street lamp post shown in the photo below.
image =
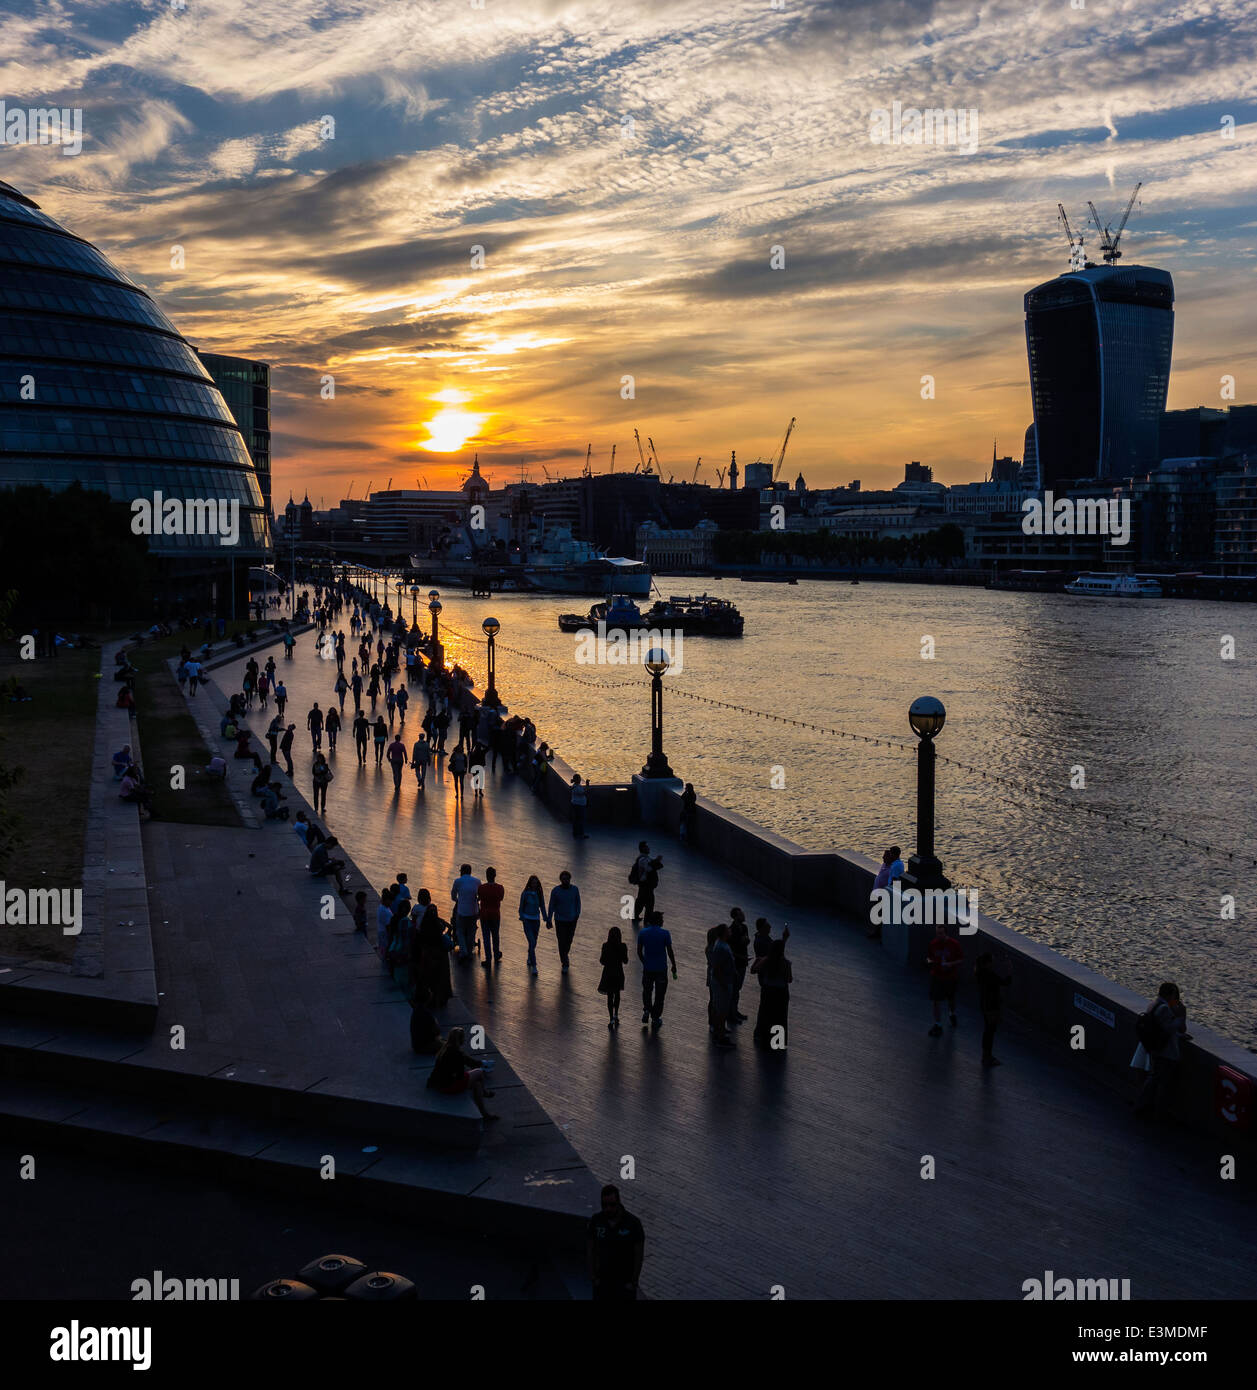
(414, 604)
(926, 716)
(657, 663)
(438, 654)
(491, 627)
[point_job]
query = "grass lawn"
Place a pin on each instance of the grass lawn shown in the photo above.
(52, 738)
(169, 737)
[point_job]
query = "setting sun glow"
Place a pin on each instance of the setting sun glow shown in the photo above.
(449, 430)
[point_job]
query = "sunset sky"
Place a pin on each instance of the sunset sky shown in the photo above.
(641, 247)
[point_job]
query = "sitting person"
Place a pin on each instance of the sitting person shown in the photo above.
(121, 761)
(323, 864)
(260, 782)
(126, 700)
(303, 827)
(133, 789)
(425, 1031)
(227, 725)
(454, 1072)
(271, 797)
(217, 767)
(242, 746)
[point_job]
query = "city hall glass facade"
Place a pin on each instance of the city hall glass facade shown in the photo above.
(97, 386)
(1099, 343)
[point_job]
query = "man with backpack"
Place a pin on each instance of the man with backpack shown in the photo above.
(645, 876)
(1159, 1030)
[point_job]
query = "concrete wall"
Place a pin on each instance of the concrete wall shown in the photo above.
(1049, 992)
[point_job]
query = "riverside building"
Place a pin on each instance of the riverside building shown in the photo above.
(97, 386)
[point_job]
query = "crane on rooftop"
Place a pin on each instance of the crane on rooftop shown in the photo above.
(1077, 255)
(697, 466)
(781, 453)
(588, 471)
(655, 455)
(1109, 238)
(642, 465)
(613, 448)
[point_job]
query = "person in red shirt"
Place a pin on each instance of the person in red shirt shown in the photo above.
(944, 958)
(490, 895)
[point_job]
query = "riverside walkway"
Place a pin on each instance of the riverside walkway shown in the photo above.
(753, 1170)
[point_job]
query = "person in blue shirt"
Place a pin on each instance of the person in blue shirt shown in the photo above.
(532, 907)
(654, 950)
(564, 912)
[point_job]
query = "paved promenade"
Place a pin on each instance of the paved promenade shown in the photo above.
(804, 1171)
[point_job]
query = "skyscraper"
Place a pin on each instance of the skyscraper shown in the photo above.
(1099, 342)
(246, 387)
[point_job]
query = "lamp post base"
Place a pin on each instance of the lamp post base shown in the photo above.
(926, 873)
(657, 766)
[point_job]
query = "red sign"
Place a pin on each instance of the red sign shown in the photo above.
(1233, 1097)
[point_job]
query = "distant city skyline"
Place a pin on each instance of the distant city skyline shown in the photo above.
(628, 172)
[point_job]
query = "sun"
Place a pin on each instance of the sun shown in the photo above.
(450, 429)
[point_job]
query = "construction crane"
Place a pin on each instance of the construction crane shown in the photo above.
(613, 447)
(697, 466)
(643, 466)
(655, 454)
(546, 471)
(588, 472)
(1108, 237)
(1075, 242)
(781, 453)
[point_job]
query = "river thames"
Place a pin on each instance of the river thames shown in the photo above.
(1135, 692)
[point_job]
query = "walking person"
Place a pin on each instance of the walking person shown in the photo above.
(776, 975)
(281, 698)
(322, 774)
(380, 738)
(489, 899)
(722, 973)
(458, 771)
(285, 747)
(355, 684)
(264, 689)
(420, 757)
(944, 957)
(331, 725)
(194, 676)
(314, 722)
(580, 800)
(645, 874)
(403, 699)
(390, 704)
(362, 733)
(397, 760)
(464, 894)
(614, 1248)
(1160, 1030)
(654, 950)
(613, 958)
(564, 913)
(532, 907)
(475, 769)
(990, 984)
(341, 689)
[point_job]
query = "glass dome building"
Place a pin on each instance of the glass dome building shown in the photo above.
(97, 385)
